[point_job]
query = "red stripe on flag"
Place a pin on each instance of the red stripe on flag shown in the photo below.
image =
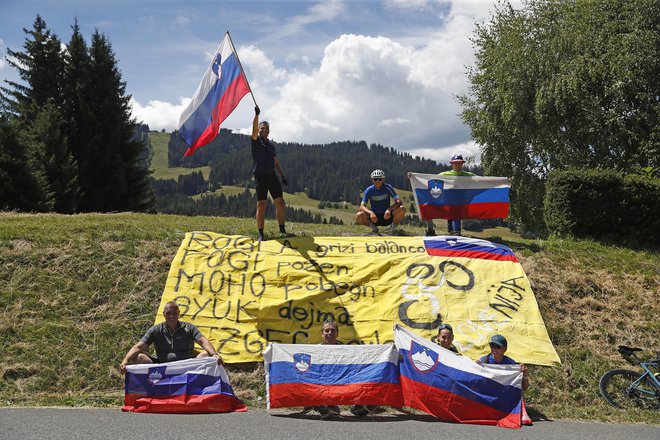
(233, 95)
(462, 212)
(366, 393)
(471, 254)
(183, 404)
(451, 407)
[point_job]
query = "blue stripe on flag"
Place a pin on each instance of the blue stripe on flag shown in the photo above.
(459, 246)
(471, 386)
(334, 374)
(175, 385)
(202, 117)
(453, 197)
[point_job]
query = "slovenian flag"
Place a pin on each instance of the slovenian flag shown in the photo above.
(460, 197)
(221, 89)
(315, 375)
(453, 247)
(453, 388)
(197, 385)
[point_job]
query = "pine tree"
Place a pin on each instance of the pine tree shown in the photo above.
(53, 158)
(19, 187)
(76, 111)
(114, 178)
(36, 109)
(41, 67)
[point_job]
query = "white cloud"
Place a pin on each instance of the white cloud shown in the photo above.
(319, 12)
(158, 114)
(3, 49)
(407, 4)
(396, 93)
(467, 149)
(181, 20)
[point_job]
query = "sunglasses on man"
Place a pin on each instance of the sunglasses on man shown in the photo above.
(377, 180)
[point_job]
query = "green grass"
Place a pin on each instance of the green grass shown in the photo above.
(159, 142)
(77, 291)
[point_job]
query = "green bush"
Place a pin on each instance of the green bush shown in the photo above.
(603, 204)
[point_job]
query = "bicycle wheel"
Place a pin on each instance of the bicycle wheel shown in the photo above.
(616, 387)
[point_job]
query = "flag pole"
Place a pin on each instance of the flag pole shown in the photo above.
(241, 66)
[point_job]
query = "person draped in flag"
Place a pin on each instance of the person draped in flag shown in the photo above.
(453, 226)
(381, 213)
(446, 337)
(173, 340)
(329, 333)
(498, 345)
(264, 166)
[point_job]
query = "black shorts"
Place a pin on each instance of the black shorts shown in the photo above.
(268, 183)
(381, 219)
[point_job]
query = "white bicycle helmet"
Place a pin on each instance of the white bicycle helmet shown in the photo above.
(378, 174)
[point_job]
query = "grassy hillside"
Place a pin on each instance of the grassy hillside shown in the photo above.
(159, 142)
(77, 291)
(159, 166)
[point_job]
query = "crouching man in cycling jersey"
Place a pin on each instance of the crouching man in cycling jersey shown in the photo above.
(378, 196)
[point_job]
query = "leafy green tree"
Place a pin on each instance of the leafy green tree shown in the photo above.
(560, 84)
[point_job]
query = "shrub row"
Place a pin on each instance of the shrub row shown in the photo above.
(603, 204)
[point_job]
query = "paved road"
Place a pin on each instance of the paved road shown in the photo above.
(101, 424)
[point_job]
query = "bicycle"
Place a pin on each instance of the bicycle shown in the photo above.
(626, 389)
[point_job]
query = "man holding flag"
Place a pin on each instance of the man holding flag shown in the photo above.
(264, 165)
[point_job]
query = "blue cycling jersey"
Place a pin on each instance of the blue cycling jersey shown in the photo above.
(379, 198)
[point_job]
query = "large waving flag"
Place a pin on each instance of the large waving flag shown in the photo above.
(314, 375)
(221, 89)
(197, 385)
(460, 197)
(453, 388)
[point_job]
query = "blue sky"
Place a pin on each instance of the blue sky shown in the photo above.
(380, 71)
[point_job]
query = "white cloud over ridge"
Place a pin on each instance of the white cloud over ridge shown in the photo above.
(159, 115)
(372, 88)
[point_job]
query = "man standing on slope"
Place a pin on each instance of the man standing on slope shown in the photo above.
(264, 165)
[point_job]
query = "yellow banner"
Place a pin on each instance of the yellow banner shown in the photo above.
(243, 294)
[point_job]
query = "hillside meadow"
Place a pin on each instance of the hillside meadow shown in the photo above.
(77, 291)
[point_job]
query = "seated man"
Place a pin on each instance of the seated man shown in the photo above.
(446, 337)
(174, 340)
(381, 213)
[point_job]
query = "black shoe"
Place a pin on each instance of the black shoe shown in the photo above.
(430, 233)
(287, 234)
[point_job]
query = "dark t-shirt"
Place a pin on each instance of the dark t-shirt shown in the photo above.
(263, 156)
(173, 346)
